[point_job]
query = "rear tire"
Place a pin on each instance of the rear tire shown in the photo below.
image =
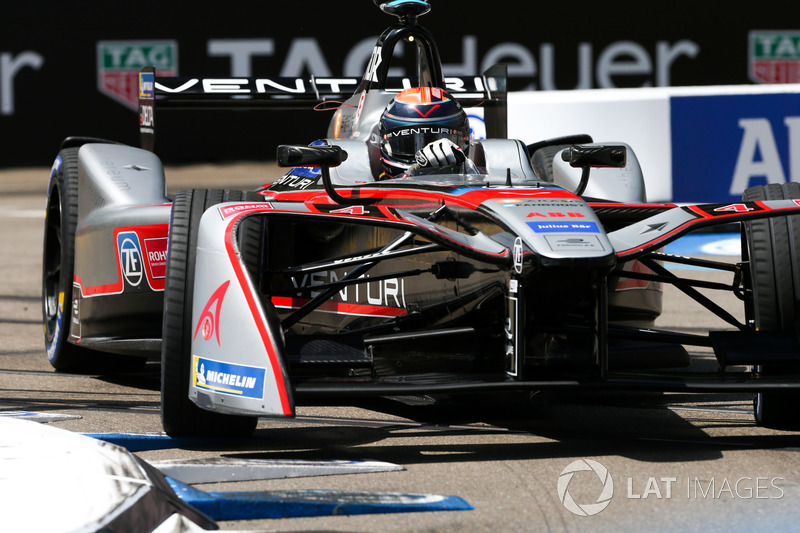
(773, 247)
(58, 259)
(179, 415)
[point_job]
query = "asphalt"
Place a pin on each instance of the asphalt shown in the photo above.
(505, 459)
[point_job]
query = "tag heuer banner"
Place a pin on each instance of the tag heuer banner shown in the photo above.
(119, 63)
(775, 56)
(82, 56)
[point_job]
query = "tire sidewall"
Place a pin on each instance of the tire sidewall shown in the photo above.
(62, 189)
(773, 246)
(179, 415)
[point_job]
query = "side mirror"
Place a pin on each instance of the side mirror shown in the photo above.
(595, 155)
(587, 156)
(323, 157)
(310, 156)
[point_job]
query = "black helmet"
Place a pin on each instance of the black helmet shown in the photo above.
(416, 117)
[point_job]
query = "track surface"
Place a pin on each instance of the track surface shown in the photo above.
(678, 461)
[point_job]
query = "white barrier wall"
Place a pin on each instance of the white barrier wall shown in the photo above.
(695, 144)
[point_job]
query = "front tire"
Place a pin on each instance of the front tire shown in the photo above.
(773, 247)
(179, 415)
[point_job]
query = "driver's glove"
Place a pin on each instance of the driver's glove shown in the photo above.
(440, 153)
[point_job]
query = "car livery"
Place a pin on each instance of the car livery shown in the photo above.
(497, 276)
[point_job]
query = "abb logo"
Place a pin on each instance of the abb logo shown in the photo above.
(555, 215)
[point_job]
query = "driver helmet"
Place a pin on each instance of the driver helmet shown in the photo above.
(415, 118)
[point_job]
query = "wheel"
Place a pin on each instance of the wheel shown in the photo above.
(179, 415)
(773, 248)
(58, 263)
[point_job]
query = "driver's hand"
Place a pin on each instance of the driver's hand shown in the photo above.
(441, 153)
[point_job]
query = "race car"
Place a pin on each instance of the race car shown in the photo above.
(536, 266)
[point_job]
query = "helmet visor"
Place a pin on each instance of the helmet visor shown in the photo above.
(403, 143)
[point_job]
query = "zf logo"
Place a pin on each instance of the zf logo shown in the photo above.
(130, 257)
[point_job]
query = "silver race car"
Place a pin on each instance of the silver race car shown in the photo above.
(526, 267)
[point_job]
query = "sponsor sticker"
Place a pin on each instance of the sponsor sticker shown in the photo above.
(130, 257)
(228, 378)
(564, 227)
(518, 255)
(512, 336)
(774, 56)
(208, 323)
(119, 63)
(564, 243)
(147, 85)
(75, 328)
(146, 119)
(231, 210)
(156, 251)
(371, 74)
(305, 172)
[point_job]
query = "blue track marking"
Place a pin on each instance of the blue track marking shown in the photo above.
(297, 503)
(142, 442)
(242, 505)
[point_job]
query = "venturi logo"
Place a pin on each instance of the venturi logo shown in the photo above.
(209, 318)
(585, 509)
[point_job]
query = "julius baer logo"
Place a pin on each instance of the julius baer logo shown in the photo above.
(585, 487)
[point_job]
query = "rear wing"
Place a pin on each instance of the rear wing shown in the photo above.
(281, 93)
